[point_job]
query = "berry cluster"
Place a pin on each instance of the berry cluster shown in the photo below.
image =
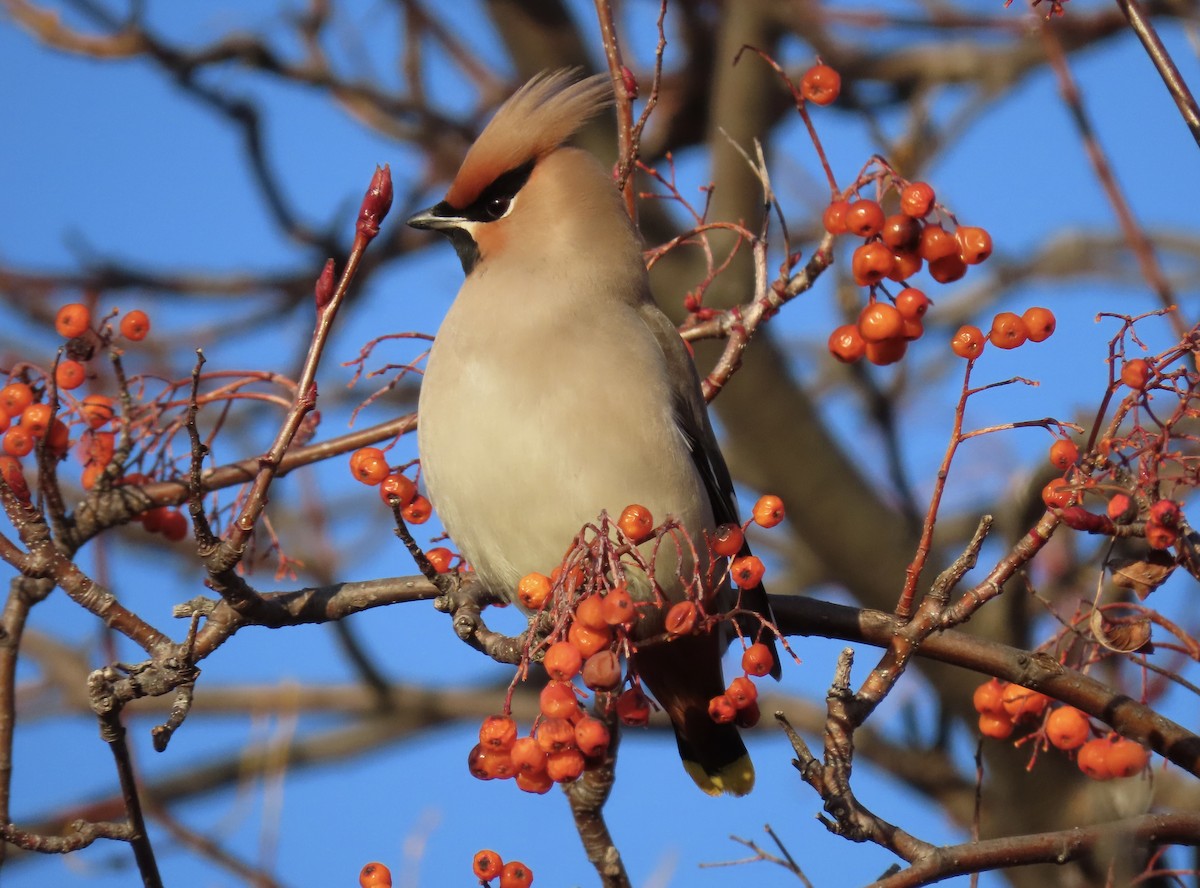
(895, 248)
(29, 418)
(488, 865)
(1003, 706)
(593, 616)
(1009, 330)
(370, 466)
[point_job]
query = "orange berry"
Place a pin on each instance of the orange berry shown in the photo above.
(937, 243)
(516, 875)
(741, 692)
(917, 199)
(91, 474)
(1023, 704)
(1092, 759)
(974, 244)
(900, 232)
(399, 486)
(1135, 374)
(591, 736)
(527, 756)
(768, 511)
(486, 865)
(834, 217)
(1067, 728)
(174, 525)
(912, 303)
(1121, 508)
(36, 419)
(1057, 494)
(726, 540)
(1063, 454)
(418, 511)
(721, 709)
(558, 700)
(588, 639)
(905, 263)
(1039, 322)
(846, 344)
(58, 438)
(440, 558)
(371, 471)
(948, 269)
(879, 321)
(563, 661)
(96, 447)
(913, 329)
(565, 765)
(69, 375)
(967, 342)
(618, 607)
(746, 572)
(1159, 536)
(17, 441)
(15, 397)
(533, 590)
(1008, 330)
(97, 411)
(989, 697)
(889, 351)
(637, 523)
(498, 733)
(72, 320)
(1165, 512)
(555, 735)
(537, 783)
(998, 727)
(602, 671)
(821, 85)
(152, 519)
(487, 764)
(1126, 758)
(680, 619)
(375, 875)
(871, 263)
(864, 218)
(590, 612)
(633, 707)
(757, 659)
(5, 420)
(135, 325)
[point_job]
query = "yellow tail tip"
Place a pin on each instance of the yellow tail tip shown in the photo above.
(736, 778)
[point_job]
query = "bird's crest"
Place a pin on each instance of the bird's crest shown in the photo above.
(535, 120)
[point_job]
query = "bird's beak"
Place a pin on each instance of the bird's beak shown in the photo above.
(437, 218)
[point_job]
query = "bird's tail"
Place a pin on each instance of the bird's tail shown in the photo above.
(684, 675)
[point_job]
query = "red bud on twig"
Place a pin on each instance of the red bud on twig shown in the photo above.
(324, 288)
(629, 82)
(376, 202)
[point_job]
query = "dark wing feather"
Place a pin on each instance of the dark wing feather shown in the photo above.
(691, 418)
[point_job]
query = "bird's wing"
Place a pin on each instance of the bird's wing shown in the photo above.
(691, 418)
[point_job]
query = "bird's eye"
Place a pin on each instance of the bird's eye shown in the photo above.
(497, 207)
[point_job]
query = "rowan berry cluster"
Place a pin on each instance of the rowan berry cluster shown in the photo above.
(370, 466)
(40, 410)
(895, 247)
(1009, 330)
(488, 865)
(1004, 707)
(592, 614)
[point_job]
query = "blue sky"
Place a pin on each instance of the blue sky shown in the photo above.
(107, 160)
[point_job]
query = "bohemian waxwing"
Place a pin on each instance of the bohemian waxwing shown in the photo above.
(557, 388)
